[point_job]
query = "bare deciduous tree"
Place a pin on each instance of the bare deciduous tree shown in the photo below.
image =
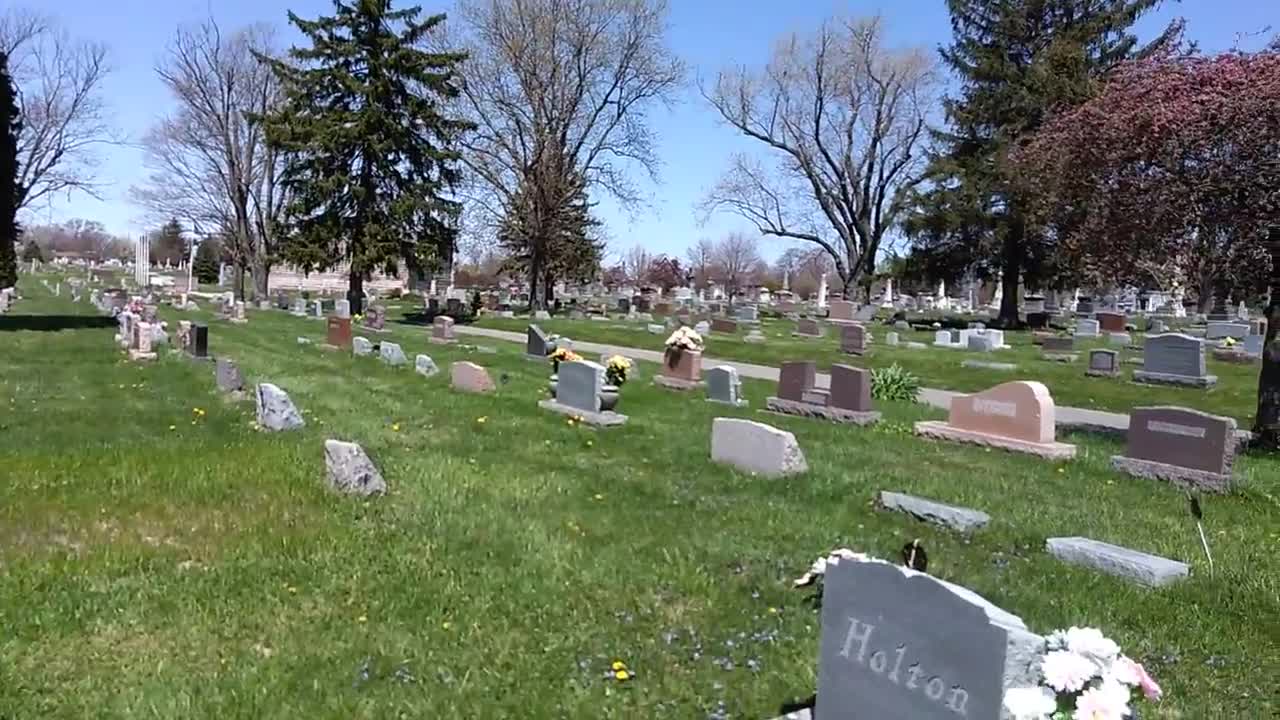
(64, 115)
(209, 162)
(845, 119)
(736, 259)
(700, 257)
(637, 261)
(564, 80)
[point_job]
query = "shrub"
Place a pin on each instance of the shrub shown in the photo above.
(894, 383)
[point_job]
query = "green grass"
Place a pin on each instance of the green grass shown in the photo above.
(1235, 394)
(156, 562)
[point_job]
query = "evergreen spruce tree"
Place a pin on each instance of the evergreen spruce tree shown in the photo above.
(10, 125)
(205, 265)
(31, 251)
(370, 152)
(1016, 61)
(168, 245)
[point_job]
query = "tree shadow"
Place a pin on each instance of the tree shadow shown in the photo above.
(54, 323)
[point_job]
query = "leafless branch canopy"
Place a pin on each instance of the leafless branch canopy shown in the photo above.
(64, 115)
(209, 161)
(844, 119)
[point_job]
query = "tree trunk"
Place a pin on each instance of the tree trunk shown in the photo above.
(1011, 263)
(1267, 421)
(535, 274)
(355, 291)
(260, 274)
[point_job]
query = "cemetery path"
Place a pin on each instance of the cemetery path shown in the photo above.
(1066, 416)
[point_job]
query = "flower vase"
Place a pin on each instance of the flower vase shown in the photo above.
(609, 397)
(551, 385)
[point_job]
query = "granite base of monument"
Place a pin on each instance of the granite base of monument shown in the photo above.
(606, 418)
(1178, 476)
(823, 412)
(1155, 378)
(940, 430)
(139, 356)
(1060, 357)
(442, 341)
(672, 383)
(1235, 355)
(1096, 372)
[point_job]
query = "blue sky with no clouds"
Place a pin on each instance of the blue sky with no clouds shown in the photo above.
(694, 148)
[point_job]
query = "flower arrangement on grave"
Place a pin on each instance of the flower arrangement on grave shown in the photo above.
(616, 370)
(1229, 342)
(563, 355)
(1085, 676)
(683, 340)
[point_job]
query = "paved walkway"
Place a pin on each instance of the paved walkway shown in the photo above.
(1066, 416)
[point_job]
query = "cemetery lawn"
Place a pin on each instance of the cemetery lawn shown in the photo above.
(159, 558)
(1235, 395)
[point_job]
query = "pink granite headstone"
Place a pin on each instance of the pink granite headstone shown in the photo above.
(684, 365)
(1021, 410)
(470, 377)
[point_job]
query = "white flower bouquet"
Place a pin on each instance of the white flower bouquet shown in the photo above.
(1085, 678)
(686, 338)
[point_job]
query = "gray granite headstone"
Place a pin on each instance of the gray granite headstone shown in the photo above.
(350, 470)
(228, 376)
(425, 366)
(361, 347)
(1220, 330)
(957, 518)
(899, 646)
(392, 354)
(579, 385)
(1086, 328)
(1104, 362)
(1253, 345)
(537, 343)
(1174, 354)
(723, 385)
(276, 411)
(1139, 567)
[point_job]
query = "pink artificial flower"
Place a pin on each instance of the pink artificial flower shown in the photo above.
(1067, 672)
(1108, 701)
(1149, 686)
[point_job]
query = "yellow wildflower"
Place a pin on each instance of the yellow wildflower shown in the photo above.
(619, 665)
(622, 675)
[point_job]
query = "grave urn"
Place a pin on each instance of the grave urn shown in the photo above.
(609, 396)
(683, 364)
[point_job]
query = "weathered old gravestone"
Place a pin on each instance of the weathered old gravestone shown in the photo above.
(198, 341)
(375, 318)
(1103, 363)
(841, 311)
(1017, 416)
(276, 411)
(1086, 328)
(579, 386)
(1139, 567)
(1220, 330)
(724, 325)
(361, 347)
(227, 376)
(470, 377)
(756, 448)
(350, 470)
(392, 354)
(724, 386)
(1037, 320)
(1188, 448)
(949, 516)
(140, 345)
(901, 645)
(442, 330)
(747, 314)
(808, 327)
(891, 339)
(299, 306)
(425, 366)
(981, 342)
(238, 315)
(853, 339)
(1110, 321)
(1174, 359)
(1058, 349)
(1253, 345)
(342, 308)
(865, 313)
(848, 400)
(338, 332)
(754, 337)
(537, 344)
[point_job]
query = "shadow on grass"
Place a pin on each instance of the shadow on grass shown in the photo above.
(53, 323)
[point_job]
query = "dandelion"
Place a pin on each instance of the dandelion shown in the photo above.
(599, 496)
(622, 675)
(589, 443)
(395, 427)
(446, 625)
(173, 427)
(773, 611)
(618, 665)
(482, 419)
(362, 619)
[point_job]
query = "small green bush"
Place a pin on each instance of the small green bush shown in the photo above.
(894, 383)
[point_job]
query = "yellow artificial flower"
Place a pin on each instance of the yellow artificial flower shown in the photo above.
(619, 665)
(395, 427)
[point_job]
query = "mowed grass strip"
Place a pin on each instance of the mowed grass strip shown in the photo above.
(161, 558)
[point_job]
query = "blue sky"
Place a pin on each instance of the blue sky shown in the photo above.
(708, 34)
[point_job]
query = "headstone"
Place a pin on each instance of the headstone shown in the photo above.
(942, 338)
(342, 308)
(841, 311)
(1017, 416)
(318, 309)
(392, 354)
(1109, 321)
(442, 330)
(238, 315)
(850, 389)
(1173, 358)
(1103, 363)
(808, 327)
(537, 344)
(981, 343)
(747, 313)
(755, 448)
(579, 385)
(853, 339)
(891, 339)
(470, 377)
(299, 306)
(724, 386)
(1253, 345)
(950, 516)
(425, 366)
(1086, 328)
(1058, 344)
(847, 401)
(1132, 565)
(722, 325)
(1119, 339)
(276, 411)
(1037, 320)
(702, 328)
(865, 313)
(541, 315)
(198, 341)
(338, 332)
(350, 471)
(375, 318)
(754, 337)
(1188, 448)
(656, 329)
(901, 645)
(227, 376)
(1220, 330)
(361, 347)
